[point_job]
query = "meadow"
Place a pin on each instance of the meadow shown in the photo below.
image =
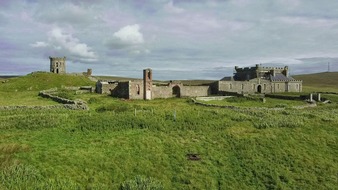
(136, 144)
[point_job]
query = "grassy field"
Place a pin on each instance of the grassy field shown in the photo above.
(123, 144)
(319, 82)
(256, 102)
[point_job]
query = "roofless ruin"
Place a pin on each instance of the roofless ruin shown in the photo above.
(247, 80)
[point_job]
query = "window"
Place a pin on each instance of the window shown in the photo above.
(138, 89)
(149, 75)
(264, 86)
(230, 86)
(277, 86)
(242, 86)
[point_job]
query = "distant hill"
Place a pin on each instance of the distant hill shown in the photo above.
(114, 78)
(8, 76)
(41, 81)
(319, 79)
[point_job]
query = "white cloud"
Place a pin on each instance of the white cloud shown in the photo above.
(128, 36)
(66, 42)
(39, 44)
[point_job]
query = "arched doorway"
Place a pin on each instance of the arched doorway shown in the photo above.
(176, 91)
(57, 71)
(259, 89)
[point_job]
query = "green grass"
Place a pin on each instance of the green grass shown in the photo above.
(326, 82)
(42, 81)
(256, 102)
(111, 147)
(23, 90)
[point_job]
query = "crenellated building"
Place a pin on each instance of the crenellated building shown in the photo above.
(258, 79)
(58, 65)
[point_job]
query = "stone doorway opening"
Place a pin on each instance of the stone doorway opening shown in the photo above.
(176, 91)
(259, 89)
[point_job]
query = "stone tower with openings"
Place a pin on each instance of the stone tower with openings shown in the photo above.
(58, 65)
(148, 83)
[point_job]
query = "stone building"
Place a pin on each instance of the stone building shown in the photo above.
(246, 80)
(58, 65)
(145, 89)
(259, 79)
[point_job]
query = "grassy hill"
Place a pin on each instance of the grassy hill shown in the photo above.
(23, 90)
(327, 81)
(41, 81)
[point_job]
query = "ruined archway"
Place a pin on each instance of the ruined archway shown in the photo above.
(259, 89)
(176, 91)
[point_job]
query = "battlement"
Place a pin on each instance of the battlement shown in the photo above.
(57, 65)
(260, 68)
(57, 58)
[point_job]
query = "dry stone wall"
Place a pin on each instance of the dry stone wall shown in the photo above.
(69, 104)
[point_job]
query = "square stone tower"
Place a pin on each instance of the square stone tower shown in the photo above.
(58, 65)
(148, 83)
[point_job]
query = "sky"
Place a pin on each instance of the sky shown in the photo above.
(177, 39)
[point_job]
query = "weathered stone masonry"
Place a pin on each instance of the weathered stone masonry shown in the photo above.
(58, 65)
(251, 80)
(259, 80)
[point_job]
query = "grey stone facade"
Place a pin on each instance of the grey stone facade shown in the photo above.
(58, 65)
(145, 89)
(259, 79)
(247, 80)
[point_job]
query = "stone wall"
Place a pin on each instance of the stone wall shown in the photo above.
(105, 87)
(195, 91)
(62, 106)
(258, 86)
(121, 90)
(245, 87)
(136, 89)
(69, 104)
(162, 92)
(184, 91)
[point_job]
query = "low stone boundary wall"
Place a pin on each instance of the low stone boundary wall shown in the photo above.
(286, 97)
(69, 104)
(63, 106)
(250, 108)
(335, 93)
(213, 98)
